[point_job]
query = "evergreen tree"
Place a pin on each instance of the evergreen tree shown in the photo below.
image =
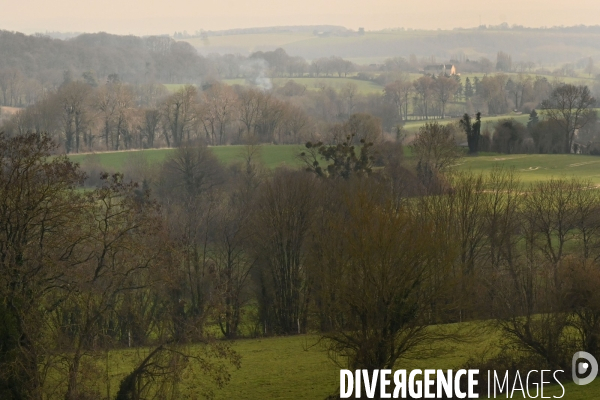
(468, 89)
(461, 88)
(533, 120)
(472, 130)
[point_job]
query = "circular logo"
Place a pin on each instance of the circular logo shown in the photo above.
(584, 372)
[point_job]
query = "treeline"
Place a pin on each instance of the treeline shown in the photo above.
(567, 121)
(568, 124)
(81, 116)
(30, 66)
(33, 65)
(372, 253)
(118, 116)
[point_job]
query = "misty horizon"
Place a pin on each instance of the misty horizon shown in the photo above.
(138, 18)
(282, 28)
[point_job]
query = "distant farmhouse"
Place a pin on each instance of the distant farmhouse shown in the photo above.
(440, 69)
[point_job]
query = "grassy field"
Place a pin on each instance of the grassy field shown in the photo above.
(289, 368)
(296, 368)
(537, 167)
(370, 87)
(272, 368)
(272, 156)
(116, 160)
(364, 87)
(173, 87)
(530, 167)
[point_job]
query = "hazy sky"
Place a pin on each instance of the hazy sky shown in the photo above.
(166, 16)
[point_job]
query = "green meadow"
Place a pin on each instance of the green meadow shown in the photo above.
(297, 368)
(531, 167)
(313, 84)
(272, 156)
(173, 87)
(536, 167)
(363, 87)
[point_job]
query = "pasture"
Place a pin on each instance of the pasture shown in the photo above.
(363, 87)
(530, 167)
(173, 87)
(297, 367)
(313, 84)
(536, 167)
(272, 156)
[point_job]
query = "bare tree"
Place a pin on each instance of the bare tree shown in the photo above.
(150, 125)
(493, 91)
(589, 68)
(217, 111)
(179, 114)
(375, 279)
(118, 253)
(11, 85)
(348, 94)
(282, 221)
(444, 88)
(188, 188)
(191, 172)
(571, 107)
(250, 101)
(232, 261)
(295, 125)
(398, 93)
(38, 230)
(123, 116)
(435, 146)
(270, 115)
(106, 105)
(423, 88)
(73, 98)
